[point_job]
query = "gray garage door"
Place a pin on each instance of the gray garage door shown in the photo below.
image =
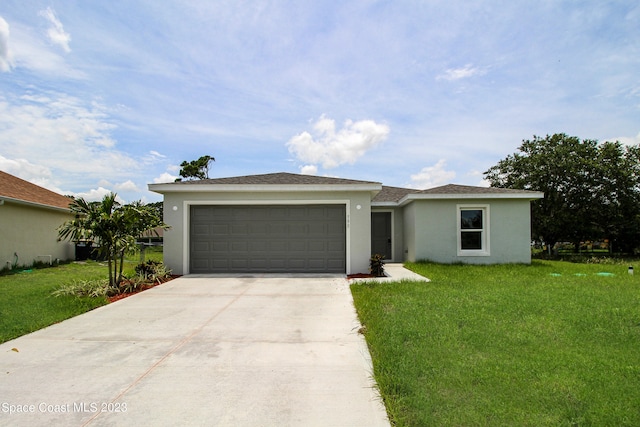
(238, 239)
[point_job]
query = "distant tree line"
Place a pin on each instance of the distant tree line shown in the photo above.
(591, 189)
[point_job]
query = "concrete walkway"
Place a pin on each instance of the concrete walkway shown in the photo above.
(242, 351)
(394, 272)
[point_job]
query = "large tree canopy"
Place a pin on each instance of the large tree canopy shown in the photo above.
(591, 190)
(196, 169)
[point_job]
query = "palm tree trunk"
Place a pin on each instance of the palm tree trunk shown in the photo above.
(111, 281)
(121, 266)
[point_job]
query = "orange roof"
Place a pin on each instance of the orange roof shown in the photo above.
(15, 188)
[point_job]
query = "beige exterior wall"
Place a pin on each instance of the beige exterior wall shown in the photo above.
(31, 233)
(431, 231)
(177, 208)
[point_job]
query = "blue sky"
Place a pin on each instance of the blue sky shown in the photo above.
(113, 95)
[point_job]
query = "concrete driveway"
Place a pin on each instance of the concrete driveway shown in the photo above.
(252, 351)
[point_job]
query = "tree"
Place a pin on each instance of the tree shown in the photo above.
(196, 169)
(591, 189)
(112, 227)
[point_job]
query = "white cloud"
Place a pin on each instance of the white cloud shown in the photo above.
(165, 177)
(56, 32)
(35, 174)
(31, 52)
(465, 72)
(333, 148)
(479, 176)
(432, 176)
(23, 168)
(62, 137)
(96, 194)
(309, 170)
(153, 158)
(5, 53)
(626, 140)
(127, 186)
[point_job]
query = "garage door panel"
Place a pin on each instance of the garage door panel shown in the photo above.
(220, 229)
(335, 229)
(239, 246)
(258, 263)
(278, 228)
(298, 238)
(259, 228)
(277, 264)
(201, 230)
(317, 229)
(296, 246)
(220, 246)
(296, 264)
(315, 246)
(201, 246)
(239, 264)
(278, 246)
(298, 228)
(317, 213)
(240, 229)
(258, 246)
(297, 212)
(336, 247)
(333, 264)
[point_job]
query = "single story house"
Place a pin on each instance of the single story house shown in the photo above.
(29, 218)
(285, 222)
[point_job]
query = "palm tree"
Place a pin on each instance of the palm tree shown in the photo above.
(112, 227)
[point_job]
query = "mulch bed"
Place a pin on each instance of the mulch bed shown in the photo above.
(144, 288)
(360, 276)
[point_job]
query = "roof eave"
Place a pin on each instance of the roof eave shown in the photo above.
(34, 204)
(248, 188)
(384, 204)
(534, 195)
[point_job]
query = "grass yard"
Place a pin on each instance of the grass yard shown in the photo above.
(26, 303)
(551, 344)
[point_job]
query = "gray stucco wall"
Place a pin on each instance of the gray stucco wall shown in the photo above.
(31, 233)
(431, 231)
(176, 214)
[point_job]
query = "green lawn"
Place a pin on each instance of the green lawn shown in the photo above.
(26, 303)
(551, 344)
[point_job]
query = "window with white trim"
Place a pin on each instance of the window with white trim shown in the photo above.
(473, 230)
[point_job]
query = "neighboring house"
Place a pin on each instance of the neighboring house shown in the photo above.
(285, 222)
(152, 237)
(29, 218)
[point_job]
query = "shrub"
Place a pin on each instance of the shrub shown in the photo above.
(152, 271)
(132, 285)
(147, 274)
(85, 288)
(376, 265)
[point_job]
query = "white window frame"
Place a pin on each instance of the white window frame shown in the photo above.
(485, 236)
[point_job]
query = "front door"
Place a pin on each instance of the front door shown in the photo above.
(381, 234)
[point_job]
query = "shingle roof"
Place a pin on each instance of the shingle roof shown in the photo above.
(392, 194)
(13, 187)
(383, 195)
(280, 178)
(467, 189)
